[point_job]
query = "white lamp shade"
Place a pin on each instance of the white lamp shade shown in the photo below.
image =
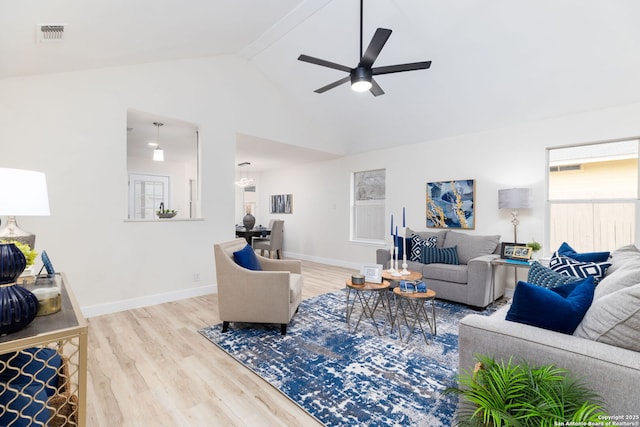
(23, 193)
(515, 198)
(158, 155)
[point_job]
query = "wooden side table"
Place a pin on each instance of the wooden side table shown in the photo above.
(413, 275)
(415, 302)
(370, 295)
(64, 332)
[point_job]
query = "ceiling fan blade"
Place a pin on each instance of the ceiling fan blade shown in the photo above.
(400, 68)
(376, 90)
(377, 43)
(323, 63)
(332, 85)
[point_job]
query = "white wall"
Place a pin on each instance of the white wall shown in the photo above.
(72, 126)
(509, 157)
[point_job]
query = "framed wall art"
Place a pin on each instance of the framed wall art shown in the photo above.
(451, 204)
(281, 203)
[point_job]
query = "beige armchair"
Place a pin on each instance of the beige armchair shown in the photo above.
(268, 296)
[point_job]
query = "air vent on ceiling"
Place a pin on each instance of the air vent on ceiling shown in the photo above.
(46, 33)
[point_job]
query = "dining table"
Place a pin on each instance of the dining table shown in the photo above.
(254, 232)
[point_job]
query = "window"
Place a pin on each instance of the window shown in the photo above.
(368, 206)
(146, 192)
(592, 194)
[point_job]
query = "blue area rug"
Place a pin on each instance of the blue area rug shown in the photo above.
(347, 379)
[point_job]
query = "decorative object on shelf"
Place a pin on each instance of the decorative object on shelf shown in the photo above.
(281, 203)
(514, 199)
(451, 204)
(47, 292)
(18, 306)
(23, 192)
(515, 251)
(249, 220)
(165, 213)
(46, 264)
(29, 254)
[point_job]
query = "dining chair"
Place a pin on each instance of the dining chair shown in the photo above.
(273, 242)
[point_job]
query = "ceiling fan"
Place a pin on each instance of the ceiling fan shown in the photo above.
(361, 76)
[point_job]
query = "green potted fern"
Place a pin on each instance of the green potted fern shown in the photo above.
(499, 394)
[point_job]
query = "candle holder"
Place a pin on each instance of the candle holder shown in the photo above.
(395, 269)
(47, 291)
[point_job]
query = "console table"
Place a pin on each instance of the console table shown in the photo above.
(62, 335)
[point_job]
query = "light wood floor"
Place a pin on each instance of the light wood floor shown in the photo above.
(150, 367)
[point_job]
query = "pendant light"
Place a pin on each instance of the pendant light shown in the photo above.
(245, 181)
(158, 153)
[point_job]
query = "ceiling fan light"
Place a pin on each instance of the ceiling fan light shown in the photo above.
(361, 79)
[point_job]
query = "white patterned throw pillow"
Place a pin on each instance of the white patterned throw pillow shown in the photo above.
(571, 267)
(417, 243)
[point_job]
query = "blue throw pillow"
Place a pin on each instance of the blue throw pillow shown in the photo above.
(547, 308)
(571, 267)
(440, 255)
(247, 258)
(566, 250)
(546, 277)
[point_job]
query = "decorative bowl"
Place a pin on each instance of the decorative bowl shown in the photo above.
(166, 214)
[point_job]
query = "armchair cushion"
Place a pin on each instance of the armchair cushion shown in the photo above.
(246, 257)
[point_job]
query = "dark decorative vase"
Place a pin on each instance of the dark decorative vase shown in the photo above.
(18, 306)
(249, 221)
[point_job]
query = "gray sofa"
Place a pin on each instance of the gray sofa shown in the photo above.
(604, 351)
(469, 282)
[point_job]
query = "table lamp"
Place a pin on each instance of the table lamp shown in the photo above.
(22, 192)
(514, 199)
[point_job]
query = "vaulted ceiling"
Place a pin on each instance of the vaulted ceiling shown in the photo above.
(495, 62)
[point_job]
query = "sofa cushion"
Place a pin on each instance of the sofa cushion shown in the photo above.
(418, 244)
(548, 309)
(624, 271)
(614, 319)
(470, 246)
(571, 267)
(625, 257)
(246, 257)
(446, 273)
(431, 255)
(546, 277)
(566, 250)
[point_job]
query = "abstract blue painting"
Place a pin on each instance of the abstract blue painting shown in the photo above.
(451, 204)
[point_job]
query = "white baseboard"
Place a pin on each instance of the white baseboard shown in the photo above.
(116, 306)
(328, 261)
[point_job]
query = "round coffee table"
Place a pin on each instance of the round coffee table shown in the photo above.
(370, 295)
(413, 275)
(414, 303)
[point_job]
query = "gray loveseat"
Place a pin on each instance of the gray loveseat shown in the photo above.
(468, 282)
(604, 350)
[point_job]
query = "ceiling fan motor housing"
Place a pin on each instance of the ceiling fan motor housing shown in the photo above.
(361, 74)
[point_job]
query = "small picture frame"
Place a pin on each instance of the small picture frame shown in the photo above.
(515, 251)
(47, 264)
(372, 273)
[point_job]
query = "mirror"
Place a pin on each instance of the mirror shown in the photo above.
(171, 184)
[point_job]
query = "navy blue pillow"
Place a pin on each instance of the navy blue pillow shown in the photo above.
(546, 308)
(247, 258)
(440, 255)
(566, 250)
